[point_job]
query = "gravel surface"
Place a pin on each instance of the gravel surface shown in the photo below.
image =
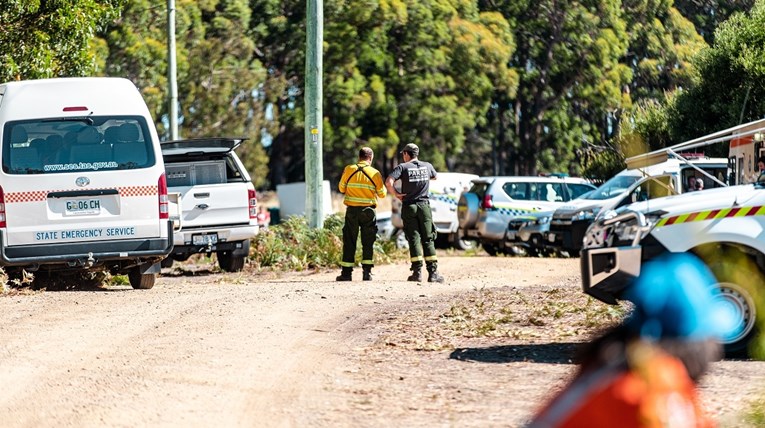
(215, 349)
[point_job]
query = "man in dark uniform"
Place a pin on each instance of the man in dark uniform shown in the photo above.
(362, 185)
(420, 232)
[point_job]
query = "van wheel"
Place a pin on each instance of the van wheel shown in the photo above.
(229, 262)
(141, 281)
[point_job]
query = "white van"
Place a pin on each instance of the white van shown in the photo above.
(82, 186)
(444, 192)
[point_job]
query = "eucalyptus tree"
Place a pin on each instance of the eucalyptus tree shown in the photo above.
(730, 88)
(568, 58)
(42, 39)
(395, 72)
(707, 15)
(661, 46)
(421, 73)
(219, 77)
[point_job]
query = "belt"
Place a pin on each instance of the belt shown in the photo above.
(425, 202)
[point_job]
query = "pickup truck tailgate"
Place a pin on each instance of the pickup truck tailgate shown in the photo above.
(214, 204)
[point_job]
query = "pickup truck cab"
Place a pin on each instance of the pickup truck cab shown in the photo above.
(212, 201)
(570, 221)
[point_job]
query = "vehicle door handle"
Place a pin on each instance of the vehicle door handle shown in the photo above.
(202, 195)
(203, 206)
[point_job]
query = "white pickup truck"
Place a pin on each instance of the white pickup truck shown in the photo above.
(212, 201)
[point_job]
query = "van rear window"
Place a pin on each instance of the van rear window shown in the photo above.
(92, 143)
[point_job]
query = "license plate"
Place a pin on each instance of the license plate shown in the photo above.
(551, 237)
(82, 206)
(208, 239)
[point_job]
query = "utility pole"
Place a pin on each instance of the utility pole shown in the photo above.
(172, 77)
(314, 173)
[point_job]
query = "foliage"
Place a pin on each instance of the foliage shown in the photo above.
(395, 72)
(599, 163)
(730, 88)
(43, 39)
(292, 245)
(485, 86)
(567, 57)
(707, 15)
(218, 72)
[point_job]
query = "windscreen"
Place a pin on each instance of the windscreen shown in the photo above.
(613, 187)
(92, 143)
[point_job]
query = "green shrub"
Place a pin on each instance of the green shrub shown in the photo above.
(293, 245)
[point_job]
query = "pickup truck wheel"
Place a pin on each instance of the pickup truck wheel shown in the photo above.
(141, 281)
(735, 281)
(229, 262)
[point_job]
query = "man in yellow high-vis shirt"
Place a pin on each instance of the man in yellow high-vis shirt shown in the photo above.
(362, 185)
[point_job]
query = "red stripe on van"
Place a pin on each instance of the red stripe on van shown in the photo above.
(41, 195)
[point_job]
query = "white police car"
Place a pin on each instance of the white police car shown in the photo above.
(486, 209)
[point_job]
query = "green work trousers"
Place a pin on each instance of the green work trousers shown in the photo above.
(365, 220)
(420, 232)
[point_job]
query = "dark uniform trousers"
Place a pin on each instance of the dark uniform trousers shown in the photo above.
(364, 219)
(420, 232)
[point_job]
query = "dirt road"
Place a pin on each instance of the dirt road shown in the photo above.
(249, 349)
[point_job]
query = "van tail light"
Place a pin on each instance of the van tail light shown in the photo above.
(2, 208)
(164, 205)
(487, 202)
(252, 202)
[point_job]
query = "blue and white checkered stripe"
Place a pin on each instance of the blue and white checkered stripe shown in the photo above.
(443, 197)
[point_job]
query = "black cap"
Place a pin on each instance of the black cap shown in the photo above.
(412, 149)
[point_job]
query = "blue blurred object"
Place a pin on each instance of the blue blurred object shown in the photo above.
(676, 296)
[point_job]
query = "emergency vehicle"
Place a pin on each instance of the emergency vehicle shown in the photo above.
(82, 186)
(724, 226)
(745, 148)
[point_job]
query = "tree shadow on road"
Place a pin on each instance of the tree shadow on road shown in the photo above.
(546, 353)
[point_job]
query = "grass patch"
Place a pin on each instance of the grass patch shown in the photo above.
(558, 314)
(294, 246)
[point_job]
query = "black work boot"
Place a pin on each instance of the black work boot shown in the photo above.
(433, 275)
(367, 272)
(345, 275)
(416, 275)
